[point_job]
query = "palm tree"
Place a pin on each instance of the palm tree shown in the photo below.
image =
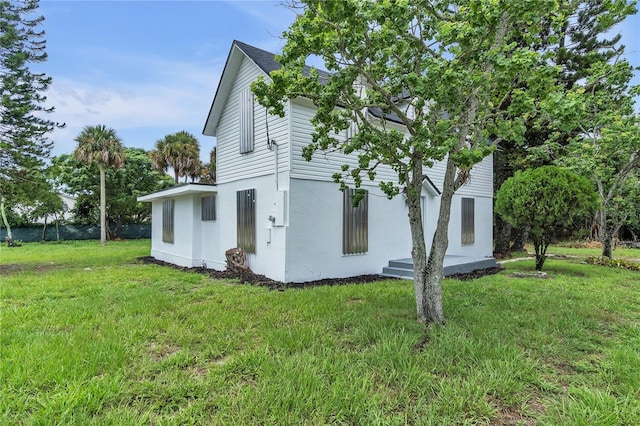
(179, 151)
(100, 145)
(208, 170)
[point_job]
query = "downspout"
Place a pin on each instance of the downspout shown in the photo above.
(275, 151)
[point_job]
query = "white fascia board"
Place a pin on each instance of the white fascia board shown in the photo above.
(178, 191)
(229, 74)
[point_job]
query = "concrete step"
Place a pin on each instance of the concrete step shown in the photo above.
(389, 271)
(403, 268)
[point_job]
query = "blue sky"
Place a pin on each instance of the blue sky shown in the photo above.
(150, 68)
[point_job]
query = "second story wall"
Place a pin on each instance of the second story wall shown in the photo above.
(324, 165)
(234, 165)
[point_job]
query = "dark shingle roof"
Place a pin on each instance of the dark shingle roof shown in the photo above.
(267, 63)
(265, 60)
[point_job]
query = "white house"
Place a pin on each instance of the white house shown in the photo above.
(288, 214)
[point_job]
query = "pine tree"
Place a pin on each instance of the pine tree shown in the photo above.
(24, 146)
(584, 43)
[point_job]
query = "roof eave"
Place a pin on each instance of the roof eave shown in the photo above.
(180, 190)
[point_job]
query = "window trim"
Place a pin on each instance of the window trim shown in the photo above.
(208, 211)
(246, 121)
(355, 224)
(246, 220)
(467, 222)
(168, 221)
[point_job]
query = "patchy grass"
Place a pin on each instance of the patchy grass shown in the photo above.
(102, 339)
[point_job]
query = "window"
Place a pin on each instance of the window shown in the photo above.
(167, 221)
(468, 221)
(208, 207)
(355, 223)
(245, 106)
(246, 206)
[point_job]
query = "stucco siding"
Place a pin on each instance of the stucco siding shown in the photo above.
(234, 166)
(314, 238)
(181, 251)
(270, 239)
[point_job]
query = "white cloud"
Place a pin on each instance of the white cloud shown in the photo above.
(173, 95)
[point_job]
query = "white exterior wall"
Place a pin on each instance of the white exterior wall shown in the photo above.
(234, 166)
(269, 258)
(181, 251)
(314, 239)
(480, 187)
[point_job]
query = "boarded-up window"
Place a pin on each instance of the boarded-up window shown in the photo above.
(355, 223)
(245, 106)
(167, 220)
(208, 207)
(246, 206)
(468, 221)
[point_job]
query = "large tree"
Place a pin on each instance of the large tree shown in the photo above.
(24, 146)
(583, 41)
(450, 72)
(607, 149)
(123, 186)
(102, 146)
(179, 151)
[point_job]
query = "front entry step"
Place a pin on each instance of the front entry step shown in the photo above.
(403, 268)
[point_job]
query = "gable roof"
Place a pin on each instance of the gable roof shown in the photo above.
(264, 60)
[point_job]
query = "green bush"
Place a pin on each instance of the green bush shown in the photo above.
(614, 263)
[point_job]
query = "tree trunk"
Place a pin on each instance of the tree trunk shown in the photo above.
(540, 248)
(607, 242)
(503, 236)
(427, 273)
(419, 249)
(521, 238)
(606, 234)
(435, 263)
(4, 218)
(103, 206)
(44, 229)
(57, 229)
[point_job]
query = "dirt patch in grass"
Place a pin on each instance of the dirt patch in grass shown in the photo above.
(15, 268)
(159, 352)
(513, 416)
(262, 281)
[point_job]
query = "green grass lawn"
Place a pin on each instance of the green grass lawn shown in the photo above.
(91, 336)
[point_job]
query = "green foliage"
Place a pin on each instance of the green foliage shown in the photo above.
(583, 43)
(123, 185)
(24, 146)
(208, 170)
(156, 345)
(411, 83)
(614, 263)
(179, 151)
(545, 199)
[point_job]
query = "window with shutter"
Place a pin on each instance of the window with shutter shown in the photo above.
(355, 223)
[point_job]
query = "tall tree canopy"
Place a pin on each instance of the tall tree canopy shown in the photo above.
(179, 151)
(607, 149)
(102, 146)
(451, 72)
(584, 41)
(123, 186)
(24, 146)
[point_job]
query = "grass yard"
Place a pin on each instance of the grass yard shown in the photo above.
(90, 336)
